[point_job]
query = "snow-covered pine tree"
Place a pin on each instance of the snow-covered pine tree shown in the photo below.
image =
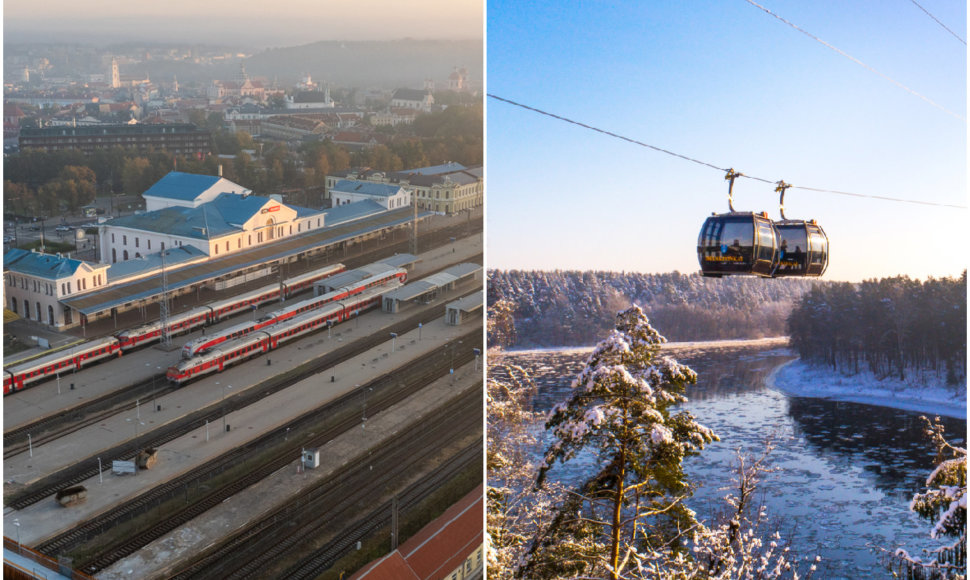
(620, 408)
(944, 503)
(501, 323)
(515, 510)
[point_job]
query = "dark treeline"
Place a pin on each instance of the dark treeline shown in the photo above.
(48, 184)
(890, 327)
(567, 308)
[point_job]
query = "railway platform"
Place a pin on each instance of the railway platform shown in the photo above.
(157, 560)
(47, 518)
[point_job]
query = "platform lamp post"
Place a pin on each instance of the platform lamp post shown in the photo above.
(329, 328)
(393, 340)
(419, 330)
(224, 407)
(154, 400)
(16, 522)
(477, 352)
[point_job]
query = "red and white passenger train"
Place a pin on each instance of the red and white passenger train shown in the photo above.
(205, 343)
(26, 374)
(222, 309)
(271, 337)
(21, 375)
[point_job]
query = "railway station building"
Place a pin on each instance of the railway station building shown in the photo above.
(210, 213)
(35, 283)
(445, 189)
(201, 230)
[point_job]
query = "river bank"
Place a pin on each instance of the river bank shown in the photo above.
(798, 379)
(771, 342)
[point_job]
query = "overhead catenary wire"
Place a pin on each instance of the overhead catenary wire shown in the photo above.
(859, 62)
(937, 20)
(711, 165)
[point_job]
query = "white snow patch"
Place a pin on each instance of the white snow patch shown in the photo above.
(798, 379)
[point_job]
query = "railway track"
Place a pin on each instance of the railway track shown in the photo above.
(88, 467)
(69, 420)
(339, 498)
(80, 416)
(341, 414)
(323, 559)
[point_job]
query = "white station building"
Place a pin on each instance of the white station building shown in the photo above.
(213, 214)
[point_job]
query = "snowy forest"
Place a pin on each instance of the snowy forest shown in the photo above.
(889, 327)
(572, 308)
(626, 518)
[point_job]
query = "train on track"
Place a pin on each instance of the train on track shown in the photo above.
(220, 310)
(21, 375)
(271, 337)
(205, 343)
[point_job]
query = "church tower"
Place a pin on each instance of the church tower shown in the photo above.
(115, 76)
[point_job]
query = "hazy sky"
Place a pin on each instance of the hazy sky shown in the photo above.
(245, 23)
(727, 84)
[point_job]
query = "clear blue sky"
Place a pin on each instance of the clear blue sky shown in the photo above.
(725, 83)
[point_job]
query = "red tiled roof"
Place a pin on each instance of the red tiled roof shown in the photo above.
(390, 567)
(443, 545)
(12, 110)
(436, 550)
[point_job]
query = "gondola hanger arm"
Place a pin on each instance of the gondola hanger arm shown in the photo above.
(782, 186)
(731, 175)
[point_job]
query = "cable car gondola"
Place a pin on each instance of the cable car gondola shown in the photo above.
(803, 247)
(737, 242)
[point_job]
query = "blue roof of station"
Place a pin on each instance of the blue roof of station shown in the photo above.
(203, 222)
(48, 266)
(436, 169)
(186, 186)
(152, 263)
(366, 188)
(236, 209)
(351, 211)
(224, 215)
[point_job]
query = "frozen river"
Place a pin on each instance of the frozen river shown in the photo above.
(846, 472)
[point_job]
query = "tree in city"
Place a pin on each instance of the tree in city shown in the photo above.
(631, 511)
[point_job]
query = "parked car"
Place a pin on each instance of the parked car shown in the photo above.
(62, 228)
